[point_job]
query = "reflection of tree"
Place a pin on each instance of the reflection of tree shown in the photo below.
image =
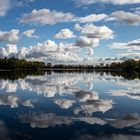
(13, 75)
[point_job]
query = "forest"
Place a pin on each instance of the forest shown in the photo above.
(129, 65)
(22, 64)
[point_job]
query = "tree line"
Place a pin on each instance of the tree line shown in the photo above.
(20, 64)
(129, 65)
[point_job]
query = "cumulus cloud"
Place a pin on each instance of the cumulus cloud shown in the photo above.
(9, 36)
(116, 2)
(132, 48)
(64, 57)
(45, 16)
(91, 18)
(77, 27)
(131, 45)
(84, 41)
(23, 3)
(129, 55)
(4, 7)
(46, 51)
(30, 33)
(126, 17)
(136, 10)
(65, 34)
(90, 37)
(8, 50)
(100, 32)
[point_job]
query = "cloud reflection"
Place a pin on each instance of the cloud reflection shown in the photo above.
(63, 103)
(14, 101)
(106, 137)
(3, 132)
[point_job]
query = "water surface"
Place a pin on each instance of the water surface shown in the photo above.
(69, 106)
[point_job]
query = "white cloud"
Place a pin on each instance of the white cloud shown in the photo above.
(131, 48)
(46, 51)
(133, 45)
(77, 27)
(90, 52)
(100, 32)
(126, 17)
(9, 36)
(91, 18)
(4, 7)
(84, 41)
(116, 2)
(45, 16)
(23, 3)
(64, 57)
(30, 33)
(90, 37)
(8, 50)
(65, 34)
(52, 52)
(129, 55)
(136, 10)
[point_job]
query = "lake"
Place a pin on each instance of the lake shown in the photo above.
(69, 106)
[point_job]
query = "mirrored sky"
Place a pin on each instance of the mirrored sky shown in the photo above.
(77, 106)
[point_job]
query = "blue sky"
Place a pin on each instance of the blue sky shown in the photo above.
(70, 31)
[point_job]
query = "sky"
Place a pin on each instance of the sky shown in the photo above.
(70, 31)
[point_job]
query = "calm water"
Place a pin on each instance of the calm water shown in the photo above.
(70, 106)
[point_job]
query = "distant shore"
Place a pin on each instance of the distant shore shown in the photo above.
(15, 64)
